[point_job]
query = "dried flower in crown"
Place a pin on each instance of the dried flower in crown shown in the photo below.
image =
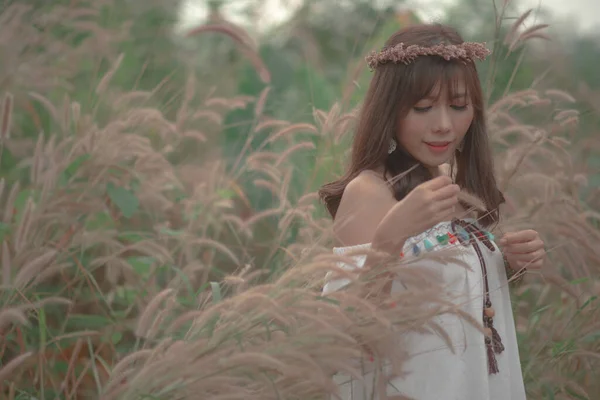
(466, 51)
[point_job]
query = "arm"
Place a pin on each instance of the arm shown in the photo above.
(365, 204)
(369, 213)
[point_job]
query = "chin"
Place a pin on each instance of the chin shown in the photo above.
(435, 163)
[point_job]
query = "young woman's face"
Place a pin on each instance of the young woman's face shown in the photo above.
(436, 125)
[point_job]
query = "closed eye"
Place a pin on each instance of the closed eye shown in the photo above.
(460, 108)
(422, 109)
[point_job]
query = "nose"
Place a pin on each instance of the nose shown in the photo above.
(442, 124)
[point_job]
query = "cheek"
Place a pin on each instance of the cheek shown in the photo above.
(462, 122)
(410, 129)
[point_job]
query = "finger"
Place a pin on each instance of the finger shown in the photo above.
(519, 237)
(530, 257)
(536, 265)
(438, 182)
(523, 264)
(447, 205)
(520, 259)
(446, 192)
(530, 265)
(524, 248)
(515, 264)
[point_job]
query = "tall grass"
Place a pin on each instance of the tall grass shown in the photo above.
(134, 262)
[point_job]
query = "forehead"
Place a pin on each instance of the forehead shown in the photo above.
(449, 89)
(440, 78)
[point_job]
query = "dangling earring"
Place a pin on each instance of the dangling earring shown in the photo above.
(460, 146)
(392, 146)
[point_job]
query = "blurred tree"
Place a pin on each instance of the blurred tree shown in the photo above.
(490, 22)
(329, 35)
(152, 54)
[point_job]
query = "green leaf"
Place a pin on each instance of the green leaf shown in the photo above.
(591, 338)
(133, 236)
(541, 309)
(563, 347)
(142, 264)
(328, 300)
(124, 199)
(179, 195)
(226, 194)
(21, 201)
(135, 184)
(83, 321)
(4, 230)
(72, 168)
(216, 292)
(60, 366)
(170, 232)
(578, 281)
(185, 279)
(211, 324)
(42, 327)
(119, 314)
(549, 392)
(588, 302)
(116, 337)
(126, 294)
(575, 395)
(99, 220)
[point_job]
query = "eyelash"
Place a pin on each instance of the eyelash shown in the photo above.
(425, 109)
(460, 108)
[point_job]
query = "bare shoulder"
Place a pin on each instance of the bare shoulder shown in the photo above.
(365, 202)
(368, 185)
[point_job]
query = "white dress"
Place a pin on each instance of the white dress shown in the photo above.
(435, 372)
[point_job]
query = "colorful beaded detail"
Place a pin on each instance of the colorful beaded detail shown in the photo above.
(416, 249)
(462, 236)
(449, 238)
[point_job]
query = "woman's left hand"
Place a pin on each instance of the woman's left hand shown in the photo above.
(523, 249)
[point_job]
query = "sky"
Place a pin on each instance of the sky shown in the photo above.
(584, 13)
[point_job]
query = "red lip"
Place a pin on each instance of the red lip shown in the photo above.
(438, 147)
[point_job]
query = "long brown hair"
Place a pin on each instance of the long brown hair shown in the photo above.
(393, 91)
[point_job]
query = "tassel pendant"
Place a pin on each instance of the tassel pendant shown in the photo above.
(469, 234)
(489, 312)
(492, 362)
(497, 341)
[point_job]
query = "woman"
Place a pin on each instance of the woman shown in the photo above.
(421, 138)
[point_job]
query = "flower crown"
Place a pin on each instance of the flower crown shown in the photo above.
(466, 51)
